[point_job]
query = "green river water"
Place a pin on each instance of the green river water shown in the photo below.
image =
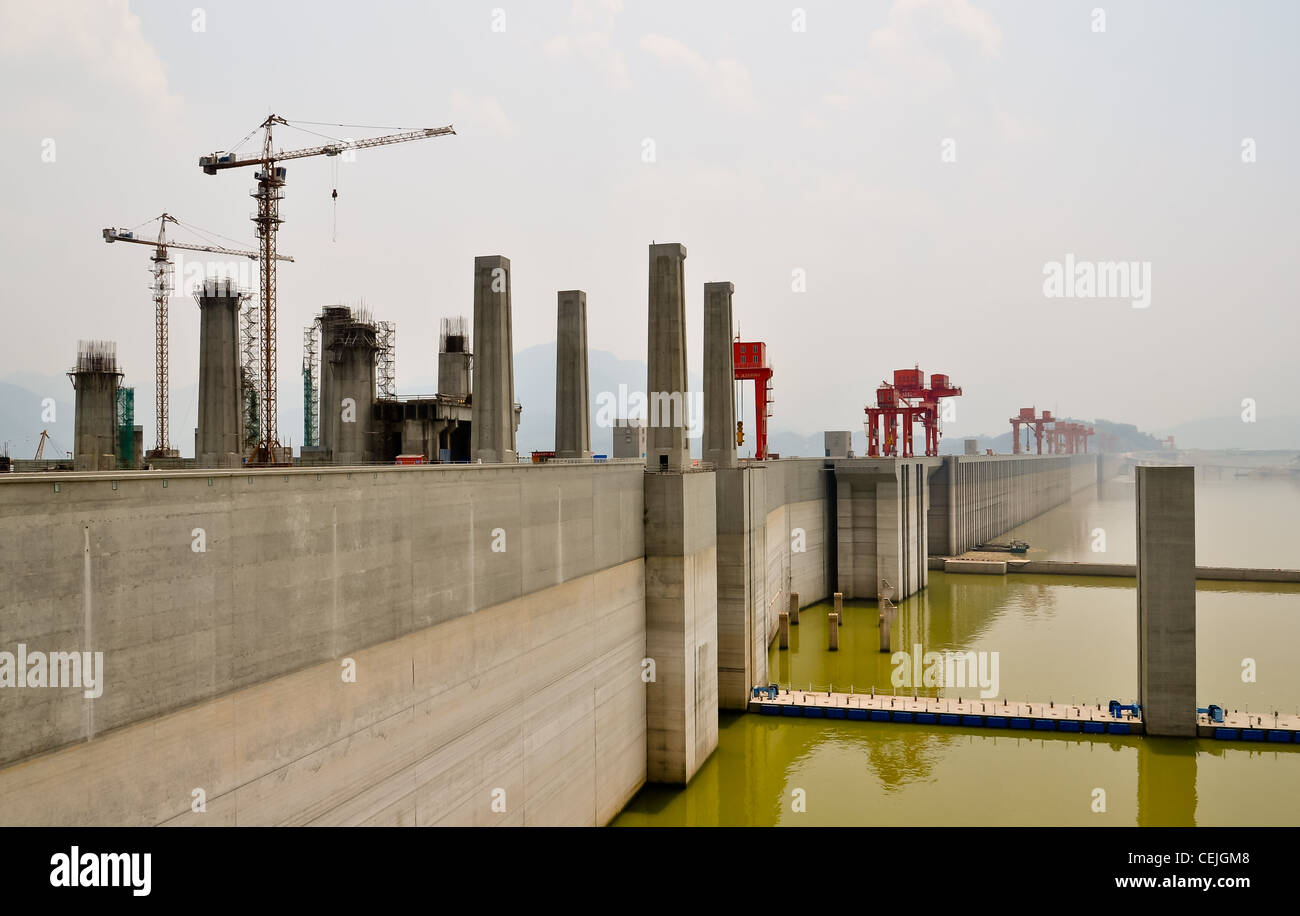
(1058, 638)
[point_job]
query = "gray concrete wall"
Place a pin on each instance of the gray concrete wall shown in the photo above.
(882, 525)
(298, 570)
(975, 499)
(681, 605)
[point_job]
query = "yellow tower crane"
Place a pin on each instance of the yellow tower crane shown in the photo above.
(270, 178)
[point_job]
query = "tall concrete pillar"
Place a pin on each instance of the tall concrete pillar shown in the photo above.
(96, 379)
(331, 319)
(681, 624)
(667, 388)
(221, 424)
(572, 395)
(492, 427)
(1166, 595)
(719, 377)
(352, 361)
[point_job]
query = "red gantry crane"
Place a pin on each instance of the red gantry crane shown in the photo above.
(750, 358)
(270, 177)
(910, 400)
(162, 273)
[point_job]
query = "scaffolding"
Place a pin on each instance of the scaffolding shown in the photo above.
(250, 375)
(125, 428)
(311, 385)
(385, 360)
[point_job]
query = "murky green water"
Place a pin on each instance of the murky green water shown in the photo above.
(1250, 522)
(1061, 638)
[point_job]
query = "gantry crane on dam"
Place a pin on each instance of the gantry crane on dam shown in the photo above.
(162, 273)
(270, 178)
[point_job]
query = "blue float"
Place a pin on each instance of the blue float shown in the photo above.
(995, 721)
(880, 715)
(1067, 725)
(901, 716)
(1252, 734)
(1094, 728)
(790, 710)
(859, 715)
(834, 712)
(812, 712)
(1118, 728)
(972, 720)
(768, 709)
(947, 718)
(1044, 725)
(1225, 734)
(926, 718)
(1019, 723)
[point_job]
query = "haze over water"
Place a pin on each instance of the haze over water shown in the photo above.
(1059, 638)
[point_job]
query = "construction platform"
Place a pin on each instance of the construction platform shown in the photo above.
(977, 713)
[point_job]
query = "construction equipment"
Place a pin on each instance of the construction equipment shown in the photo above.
(1213, 711)
(1117, 709)
(270, 177)
(40, 447)
(162, 273)
(750, 359)
(769, 692)
(910, 400)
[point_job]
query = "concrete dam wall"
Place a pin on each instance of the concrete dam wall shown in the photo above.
(439, 644)
(974, 499)
(495, 618)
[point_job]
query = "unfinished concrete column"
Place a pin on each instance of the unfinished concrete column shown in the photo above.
(667, 386)
(794, 609)
(719, 377)
(833, 631)
(96, 379)
(492, 425)
(221, 421)
(572, 394)
(352, 361)
(331, 318)
(1166, 595)
(454, 358)
(783, 630)
(839, 605)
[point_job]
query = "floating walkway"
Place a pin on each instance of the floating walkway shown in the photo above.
(976, 713)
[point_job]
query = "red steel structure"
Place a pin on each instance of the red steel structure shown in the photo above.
(1063, 437)
(750, 360)
(910, 401)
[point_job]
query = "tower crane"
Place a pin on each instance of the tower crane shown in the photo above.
(162, 289)
(270, 178)
(40, 447)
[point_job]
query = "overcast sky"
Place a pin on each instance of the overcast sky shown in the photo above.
(776, 149)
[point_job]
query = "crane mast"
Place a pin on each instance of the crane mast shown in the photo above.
(270, 178)
(162, 286)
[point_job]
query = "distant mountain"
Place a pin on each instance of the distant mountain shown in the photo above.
(23, 416)
(1265, 434)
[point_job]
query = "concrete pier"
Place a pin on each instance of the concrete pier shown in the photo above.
(96, 379)
(794, 609)
(719, 377)
(833, 631)
(220, 441)
(783, 631)
(1166, 597)
(839, 606)
(454, 358)
(572, 392)
(667, 387)
(352, 368)
(331, 318)
(492, 426)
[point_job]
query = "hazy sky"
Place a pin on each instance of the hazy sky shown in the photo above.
(776, 150)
